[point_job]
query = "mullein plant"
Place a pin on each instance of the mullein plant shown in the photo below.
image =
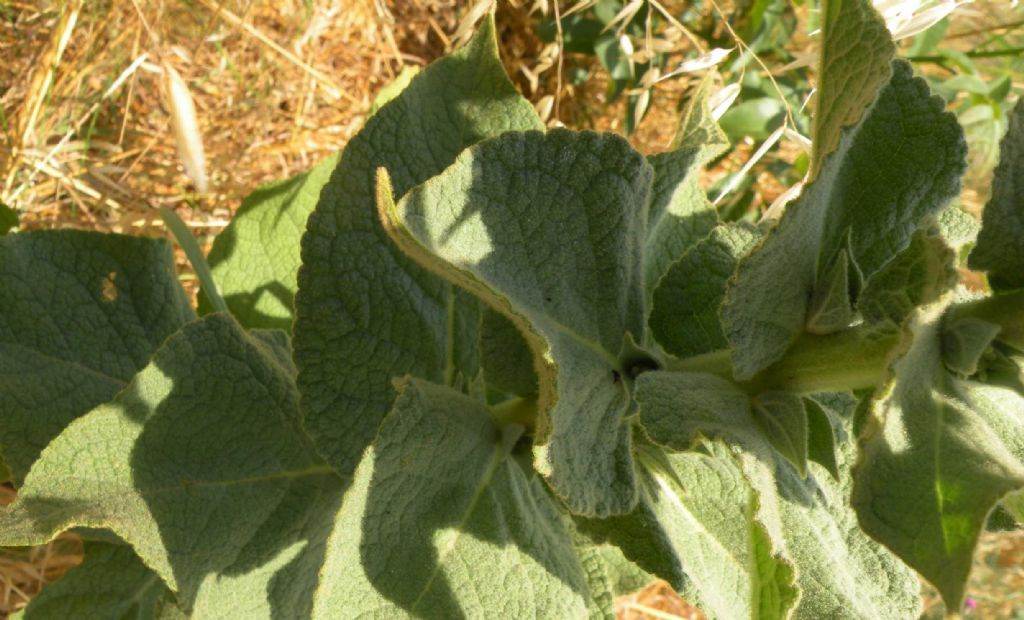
(476, 368)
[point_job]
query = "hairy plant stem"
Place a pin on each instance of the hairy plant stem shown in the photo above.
(843, 361)
(840, 362)
(851, 360)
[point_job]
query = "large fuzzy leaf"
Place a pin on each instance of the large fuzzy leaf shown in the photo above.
(917, 276)
(1000, 248)
(548, 229)
(840, 572)
(111, 582)
(783, 420)
(442, 523)
(900, 165)
(684, 314)
(256, 259)
(677, 409)
(938, 455)
(204, 471)
(624, 576)
(505, 356)
(600, 582)
(852, 66)
(680, 213)
(708, 513)
(366, 313)
(198, 464)
(80, 313)
(695, 526)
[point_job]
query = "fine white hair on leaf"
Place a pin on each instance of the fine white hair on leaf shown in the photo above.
(186, 128)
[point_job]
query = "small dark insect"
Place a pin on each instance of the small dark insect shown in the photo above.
(616, 377)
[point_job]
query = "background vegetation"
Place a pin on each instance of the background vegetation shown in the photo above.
(95, 133)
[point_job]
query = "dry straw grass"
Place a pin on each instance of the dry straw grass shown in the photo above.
(23, 572)
(88, 139)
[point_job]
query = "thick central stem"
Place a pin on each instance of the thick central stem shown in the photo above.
(844, 361)
(851, 360)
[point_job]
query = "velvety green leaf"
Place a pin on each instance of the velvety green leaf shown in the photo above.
(899, 166)
(821, 437)
(853, 65)
(841, 572)
(1000, 248)
(548, 229)
(783, 420)
(111, 582)
(201, 466)
(938, 455)
(505, 356)
(964, 341)
(707, 513)
(254, 261)
(676, 409)
(440, 522)
(684, 313)
(917, 276)
(366, 313)
(680, 214)
(80, 313)
(640, 538)
(8, 219)
(831, 309)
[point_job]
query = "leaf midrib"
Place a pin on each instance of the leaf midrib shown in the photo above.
(678, 503)
(492, 468)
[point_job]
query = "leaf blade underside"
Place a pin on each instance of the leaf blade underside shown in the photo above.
(938, 455)
(80, 313)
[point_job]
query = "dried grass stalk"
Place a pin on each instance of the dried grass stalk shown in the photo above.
(186, 128)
